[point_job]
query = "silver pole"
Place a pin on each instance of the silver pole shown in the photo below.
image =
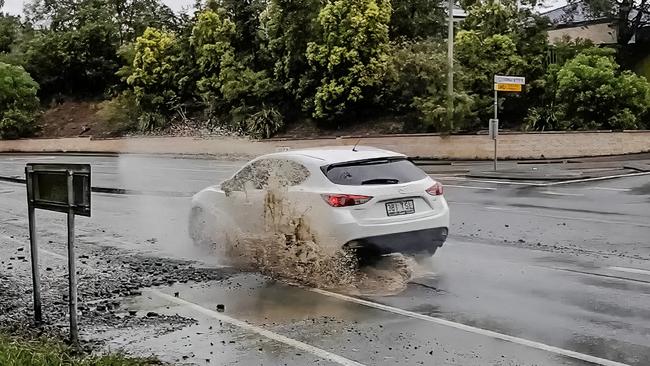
(450, 65)
(72, 271)
(33, 247)
(496, 116)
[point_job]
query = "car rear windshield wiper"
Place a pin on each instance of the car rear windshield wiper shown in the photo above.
(380, 181)
(376, 161)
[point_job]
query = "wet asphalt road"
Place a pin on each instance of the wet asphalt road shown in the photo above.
(555, 275)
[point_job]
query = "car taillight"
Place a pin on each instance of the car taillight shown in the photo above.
(345, 200)
(435, 190)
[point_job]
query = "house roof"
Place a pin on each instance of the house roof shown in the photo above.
(572, 13)
(578, 13)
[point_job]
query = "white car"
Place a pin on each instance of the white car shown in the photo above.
(374, 201)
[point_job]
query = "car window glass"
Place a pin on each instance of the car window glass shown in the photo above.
(257, 175)
(238, 182)
(279, 171)
(380, 171)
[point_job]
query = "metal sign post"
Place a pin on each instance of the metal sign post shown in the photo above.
(72, 270)
(494, 134)
(62, 188)
(36, 279)
(506, 84)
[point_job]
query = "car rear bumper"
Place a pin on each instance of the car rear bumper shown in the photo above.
(425, 241)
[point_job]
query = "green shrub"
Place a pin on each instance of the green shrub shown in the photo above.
(432, 112)
(121, 114)
(18, 102)
(415, 69)
(592, 93)
(264, 123)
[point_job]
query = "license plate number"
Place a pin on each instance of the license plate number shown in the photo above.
(400, 208)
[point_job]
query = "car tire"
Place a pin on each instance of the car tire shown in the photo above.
(425, 256)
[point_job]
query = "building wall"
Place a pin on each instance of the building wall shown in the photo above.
(602, 33)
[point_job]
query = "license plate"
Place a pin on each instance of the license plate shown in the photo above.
(400, 208)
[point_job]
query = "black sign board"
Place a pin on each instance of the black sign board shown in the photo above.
(62, 188)
(47, 187)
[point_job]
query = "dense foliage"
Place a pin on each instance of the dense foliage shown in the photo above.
(18, 101)
(256, 65)
(593, 94)
(350, 54)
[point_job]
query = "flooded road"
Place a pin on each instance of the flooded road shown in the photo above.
(530, 276)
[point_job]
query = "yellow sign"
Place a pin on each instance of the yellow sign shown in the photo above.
(508, 87)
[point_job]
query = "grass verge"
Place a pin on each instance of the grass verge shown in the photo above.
(40, 351)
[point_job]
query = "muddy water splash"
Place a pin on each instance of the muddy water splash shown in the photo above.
(288, 249)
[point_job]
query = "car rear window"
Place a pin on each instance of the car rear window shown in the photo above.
(373, 172)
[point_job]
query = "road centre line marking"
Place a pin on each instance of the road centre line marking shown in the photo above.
(563, 194)
(494, 208)
(471, 187)
(569, 217)
(549, 184)
(488, 181)
(475, 330)
(630, 270)
(612, 189)
(260, 331)
(597, 179)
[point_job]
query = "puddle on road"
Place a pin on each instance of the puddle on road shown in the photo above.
(290, 247)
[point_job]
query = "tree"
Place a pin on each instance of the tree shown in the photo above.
(415, 84)
(77, 62)
(155, 79)
(211, 41)
(18, 101)
(630, 16)
(227, 82)
(351, 54)
(129, 17)
(287, 27)
(75, 48)
(526, 51)
(482, 58)
(417, 19)
(245, 14)
(592, 93)
(9, 31)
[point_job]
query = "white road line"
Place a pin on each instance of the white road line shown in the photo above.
(260, 331)
(596, 179)
(562, 194)
(471, 187)
(491, 181)
(549, 184)
(571, 217)
(631, 270)
(475, 330)
(612, 189)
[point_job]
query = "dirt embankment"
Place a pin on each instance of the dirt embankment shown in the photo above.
(80, 118)
(72, 119)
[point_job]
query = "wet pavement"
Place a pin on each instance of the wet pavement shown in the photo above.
(531, 275)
